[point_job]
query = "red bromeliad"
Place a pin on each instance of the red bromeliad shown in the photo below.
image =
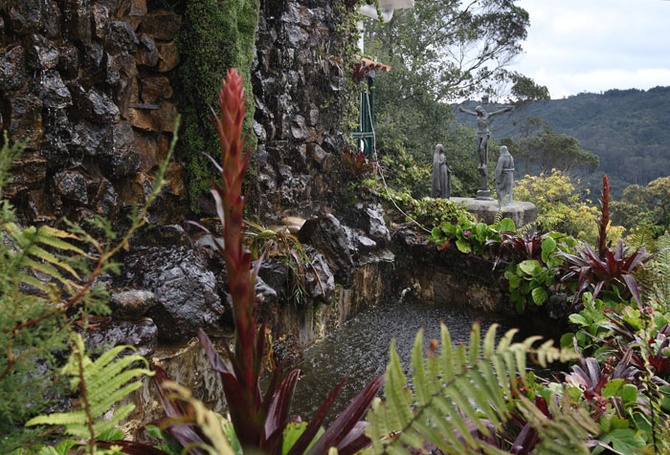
(258, 420)
(230, 208)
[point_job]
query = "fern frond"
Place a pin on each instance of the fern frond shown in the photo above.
(565, 432)
(102, 384)
(462, 396)
(32, 255)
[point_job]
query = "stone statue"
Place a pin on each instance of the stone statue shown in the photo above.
(483, 133)
(505, 177)
(441, 187)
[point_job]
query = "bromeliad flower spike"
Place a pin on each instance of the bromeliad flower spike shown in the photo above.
(243, 386)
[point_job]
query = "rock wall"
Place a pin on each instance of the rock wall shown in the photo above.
(300, 80)
(87, 85)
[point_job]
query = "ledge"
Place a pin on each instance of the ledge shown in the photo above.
(522, 213)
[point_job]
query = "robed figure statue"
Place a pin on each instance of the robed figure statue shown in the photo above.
(441, 186)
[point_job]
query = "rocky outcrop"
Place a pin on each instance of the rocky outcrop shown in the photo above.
(87, 85)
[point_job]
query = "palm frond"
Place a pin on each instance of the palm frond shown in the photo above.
(462, 397)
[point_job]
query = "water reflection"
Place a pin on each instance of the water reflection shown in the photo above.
(360, 348)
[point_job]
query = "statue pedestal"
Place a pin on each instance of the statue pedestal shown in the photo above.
(485, 210)
(484, 195)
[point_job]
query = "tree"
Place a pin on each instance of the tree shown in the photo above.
(548, 149)
(524, 89)
(645, 207)
(440, 50)
(560, 206)
(449, 49)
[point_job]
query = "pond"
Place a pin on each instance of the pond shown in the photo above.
(360, 348)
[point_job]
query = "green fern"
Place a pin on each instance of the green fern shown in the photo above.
(101, 384)
(461, 389)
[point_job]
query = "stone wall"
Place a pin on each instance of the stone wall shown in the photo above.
(87, 85)
(300, 82)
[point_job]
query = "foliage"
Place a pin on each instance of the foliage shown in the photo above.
(532, 275)
(561, 207)
(100, 384)
(259, 421)
(524, 90)
(215, 36)
(612, 272)
(282, 245)
(425, 211)
(48, 278)
(605, 269)
(470, 236)
(622, 376)
(403, 172)
(356, 163)
(645, 207)
(545, 150)
(462, 399)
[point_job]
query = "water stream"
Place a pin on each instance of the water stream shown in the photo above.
(360, 348)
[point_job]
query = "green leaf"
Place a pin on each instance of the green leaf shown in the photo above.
(514, 281)
(626, 441)
(463, 246)
(629, 393)
(530, 267)
(291, 434)
(548, 247)
(539, 295)
(507, 225)
(612, 387)
(578, 319)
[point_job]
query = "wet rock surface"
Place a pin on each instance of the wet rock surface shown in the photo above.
(186, 292)
(107, 333)
(69, 73)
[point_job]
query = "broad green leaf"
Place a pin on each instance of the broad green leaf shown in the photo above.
(463, 246)
(548, 247)
(291, 434)
(507, 225)
(612, 387)
(626, 441)
(539, 295)
(629, 393)
(530, 266)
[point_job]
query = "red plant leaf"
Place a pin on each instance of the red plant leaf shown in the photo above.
(278, 410)
(317, 420)
(347, 420)
(184, 433)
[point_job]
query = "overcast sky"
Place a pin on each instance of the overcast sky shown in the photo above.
(576, 46)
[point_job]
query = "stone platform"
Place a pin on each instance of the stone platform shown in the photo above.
(485, 210)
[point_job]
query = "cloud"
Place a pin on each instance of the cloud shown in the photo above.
(578, 46)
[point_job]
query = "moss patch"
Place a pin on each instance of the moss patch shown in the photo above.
(217, 35)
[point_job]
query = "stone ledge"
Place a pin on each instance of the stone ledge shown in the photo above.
(522, 213)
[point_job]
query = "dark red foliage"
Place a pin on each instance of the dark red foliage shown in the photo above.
(605, 269)
(613, 271)
(520, 247)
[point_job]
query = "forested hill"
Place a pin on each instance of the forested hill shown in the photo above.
(628, 129)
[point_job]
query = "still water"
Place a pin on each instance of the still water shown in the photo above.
(360, 348)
